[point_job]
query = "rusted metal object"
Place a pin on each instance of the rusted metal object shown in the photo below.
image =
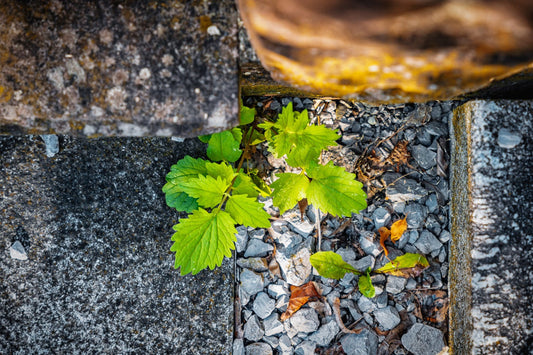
(392, 51)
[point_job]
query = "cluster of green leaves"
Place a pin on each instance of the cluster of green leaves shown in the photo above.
(331, 265)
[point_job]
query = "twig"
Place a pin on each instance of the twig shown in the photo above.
(318, 227)
(337, 311)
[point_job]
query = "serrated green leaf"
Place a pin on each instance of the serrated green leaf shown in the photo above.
(330, 265)
(247, 211)
(186, 168)
(244, 186)
(303, 157)
(237, 134)
(407, 265)
(206, 189)
(290, 127)
(203, 240)
(365, 285)
(333, 190)
(223, 146)
(256, 138)
(178, 199)
(247, 115)
(222, 169)
(320, 137)
(288, 190)
(262, 187)
(205, 138)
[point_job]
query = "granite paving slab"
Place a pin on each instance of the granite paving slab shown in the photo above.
(91, 221)
(491, 269)
(128, 68)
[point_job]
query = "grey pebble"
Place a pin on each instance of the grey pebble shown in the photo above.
(395, 284)
(277, 291)
(16, 251)
(432, 203)
(257, 247)
(364, 343)
(305, 320)
(382, 300)
(251, 282)
(306, 347)
(242, 239)
(255, 264)
(364, 263)
(272, 325)
(368, 245)
(238, 347)
(325, 334)
(296, 268)
(444, 236)
(263, 305)
(388, 317)
(347, 254)
(256, 233)
(366, 305)
(51, 142)
(272, 341)
(427, 242)
(381, 217)
(275, 106)
(422, 339)
(416, 215)
(508, 139)
(258, 349)
(304, 228)
(405, 190)
(253, 329)
(285, 344)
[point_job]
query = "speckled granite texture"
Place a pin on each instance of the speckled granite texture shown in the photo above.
(491, 269)
(112, 67)
(99, 276)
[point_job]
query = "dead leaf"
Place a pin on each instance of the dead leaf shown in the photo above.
(397, 229)
(442, 158)
(384, 234)
(398, 156)
(299, 296)
(407, 265)
(302, 204)
(337, 311)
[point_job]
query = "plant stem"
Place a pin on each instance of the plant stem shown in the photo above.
(318, 227)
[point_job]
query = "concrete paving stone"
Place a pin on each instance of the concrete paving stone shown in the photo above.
(101, 68)
(99, 276)
(491, 307)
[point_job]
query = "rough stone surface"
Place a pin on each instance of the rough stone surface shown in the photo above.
(492, 236)
(295, 267)
(305, 320)
(364, 343)
(422, 339)
(253, 329)
(251, 282)
(405, 190)
(103, 67)
(99, 276)
(263, 305)
(258, 349)
(325, 334)
(387, 317)
(16, 251)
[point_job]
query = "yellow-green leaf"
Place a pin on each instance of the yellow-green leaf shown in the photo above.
(288, 190)
(247, 211)
(330, 265)
(407, 265)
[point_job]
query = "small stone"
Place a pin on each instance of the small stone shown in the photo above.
(398, 207)
(296, 268)
(258, 349)
(405, 190)
(366, 305)
(442, 255)
(282, 303)
(433, 225)
(388, 317)
(411, 284)
(427, 242)
(272, 325)
(285, 344)
(416, 215)
(508, 139)
(238, 347)
(363, 343)
(432, 203)
(251, 282)
(255, 264)
(277, 291)
(242, 239)
(256, 233)
(275, 106)
(305, 320)
(16, 251)
(325, 334)
(444, 236)
(396, 284)
(436, 112)
(368, 245)
(289, 240)
(257, 247)
(364, 263)
(413, 236)
(381, 217)
(51, 142)
(289, 329)
(346, 281)
(272, 341)
(422, 339)
(306, 347)
(347, 254)
(263, 305)
(382, 300)
(253, 329)
(304, 228)
(298, 105)
(213, 30)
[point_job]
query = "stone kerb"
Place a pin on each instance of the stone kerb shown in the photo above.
(116, 68)
(85, 261)
(491, 285)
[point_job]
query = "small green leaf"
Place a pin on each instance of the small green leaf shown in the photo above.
(256, 138)
(203, 240)
(288, 190)
(365, 285)
(247, 115)
(302, 158)
(320, 137)
(247, 211)
(222, 169)
(206, 189)
(223, 146)
(244, 186)
(330, 265)
(178, 199)
(334, 190)
(407, 265)
(261, 185)
(205, 138)
(237, 134)
(185, 169)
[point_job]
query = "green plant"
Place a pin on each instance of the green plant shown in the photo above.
(331, 265)
(221, 194)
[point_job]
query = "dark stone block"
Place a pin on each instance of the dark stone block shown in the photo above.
(130, 68)
(491, 253)
(99, 276)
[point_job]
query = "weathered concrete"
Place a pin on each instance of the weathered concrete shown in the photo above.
(99, 275)
(491, 268)
(129, 68)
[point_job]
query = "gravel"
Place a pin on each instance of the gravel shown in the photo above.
(412, 190)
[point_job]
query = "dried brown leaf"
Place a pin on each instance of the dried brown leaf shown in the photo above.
(397, 229)
(302, 205)
(299, 296)
(384, 234)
